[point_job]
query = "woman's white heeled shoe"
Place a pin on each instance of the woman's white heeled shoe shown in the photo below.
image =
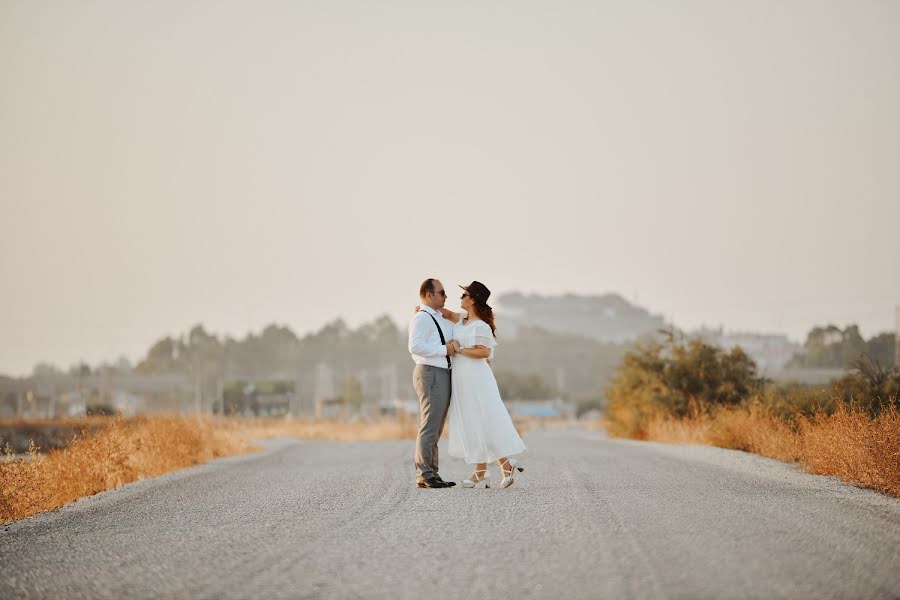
(472, 483)
(510, 479)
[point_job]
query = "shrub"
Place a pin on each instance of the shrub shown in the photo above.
(869, 386)
(677, 379)
(101, 410)
(697, 394)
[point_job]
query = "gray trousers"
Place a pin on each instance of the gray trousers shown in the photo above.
(433, 388)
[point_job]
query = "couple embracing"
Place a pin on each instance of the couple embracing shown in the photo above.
(453, 377)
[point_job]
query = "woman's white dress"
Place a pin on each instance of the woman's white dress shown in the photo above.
(481, 430)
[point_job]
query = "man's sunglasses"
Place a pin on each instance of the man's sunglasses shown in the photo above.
(441, 292)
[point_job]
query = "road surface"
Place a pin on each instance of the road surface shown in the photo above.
(590, 518)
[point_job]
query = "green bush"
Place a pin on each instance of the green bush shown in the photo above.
(788, 401)
(101, 409)
(677, 378)
(869, 386)
(584, 404)
(516, 385)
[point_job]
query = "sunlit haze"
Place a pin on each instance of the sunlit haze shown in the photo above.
(242, 163)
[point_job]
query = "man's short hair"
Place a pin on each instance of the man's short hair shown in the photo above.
(427, 286)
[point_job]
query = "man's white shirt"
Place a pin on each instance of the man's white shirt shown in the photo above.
(424, 342)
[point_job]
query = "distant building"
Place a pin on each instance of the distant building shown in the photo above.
(770, 352)
(53, 394)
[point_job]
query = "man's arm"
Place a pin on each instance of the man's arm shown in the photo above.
(420, 342)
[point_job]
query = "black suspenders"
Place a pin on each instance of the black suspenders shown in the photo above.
(440, 333)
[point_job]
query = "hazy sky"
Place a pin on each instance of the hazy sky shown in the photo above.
(238, 163)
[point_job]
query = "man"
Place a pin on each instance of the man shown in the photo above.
(431, 348)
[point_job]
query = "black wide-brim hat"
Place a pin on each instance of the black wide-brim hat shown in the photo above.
(478, 291)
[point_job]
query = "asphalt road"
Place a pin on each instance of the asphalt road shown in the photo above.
(590, 518)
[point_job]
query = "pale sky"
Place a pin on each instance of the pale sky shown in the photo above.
(239, 163)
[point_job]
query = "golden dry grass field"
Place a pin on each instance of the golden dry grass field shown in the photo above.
(108, 452)
(848, 443)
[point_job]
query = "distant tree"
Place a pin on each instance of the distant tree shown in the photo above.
(881, 347)
(870, 385)
(123, 365)
(45, 369)
(675, 378)
(851, 346)
(351, 394)
(577, 365)
(831, 346)
(161, 358)
(517, 385)
(546, 364)
(381, 331)
(81, 369)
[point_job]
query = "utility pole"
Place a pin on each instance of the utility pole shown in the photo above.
(220, 395)
(897, 341)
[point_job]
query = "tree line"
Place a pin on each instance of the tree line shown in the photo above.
(831, 346)
(536, 364)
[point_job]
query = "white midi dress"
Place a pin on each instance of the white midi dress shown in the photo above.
(481, 430)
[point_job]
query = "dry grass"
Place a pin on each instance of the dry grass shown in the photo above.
(402, 428)
(112, 452)
(855, 447)
(46, 433)
(123, 451)
(847, 443)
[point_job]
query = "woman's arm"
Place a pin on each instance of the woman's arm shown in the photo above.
(475, 352)
(447, 314)
(450, 315)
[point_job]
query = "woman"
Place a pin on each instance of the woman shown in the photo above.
(481, 430)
